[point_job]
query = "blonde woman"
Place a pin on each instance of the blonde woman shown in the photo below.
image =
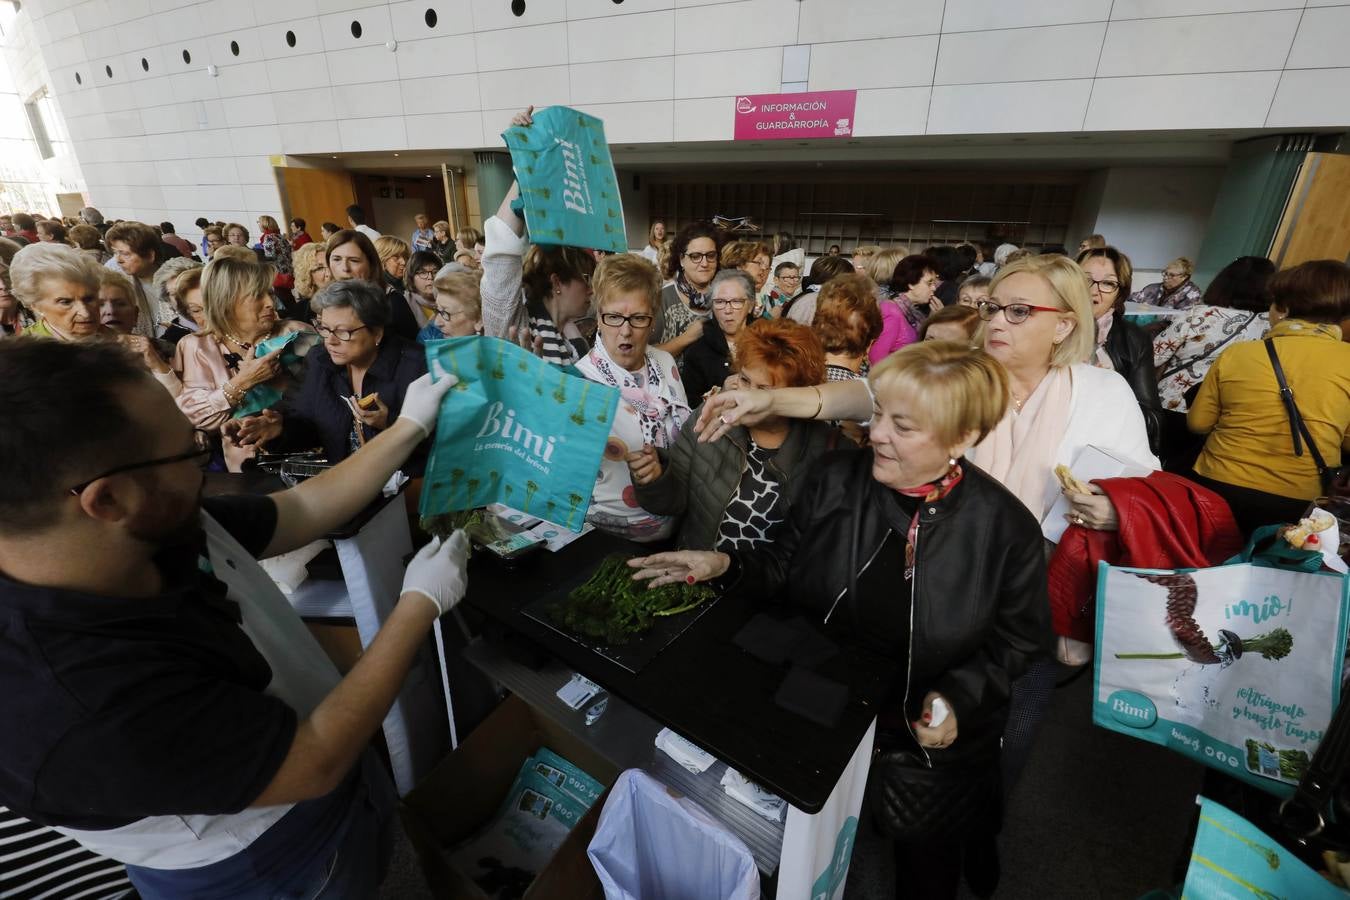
(311, 271)
(118, 312)
(408, 315)
(218, 365)
(656, 236)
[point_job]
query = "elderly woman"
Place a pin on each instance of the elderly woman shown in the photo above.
(50, 231)
(58, 286)
(276, 251)
(803, 309)
(1252, 458)
(685, 302)
(14, 317)
(236, 234)
(847, 322)
(165, 281)
(952, 323)
(1176, 290)
(186, 291)
(87, 239)
(652, 404)
(911, 290)
(905, 547)
(656, 236)
(136, 252)
(355, 380)
(735, 494)
(708, 361)
(118, 313)
(754, 259)
(459, 305)
(534, 294)
(420, 282)
(213, 238)
(974, 289)
(442, 244)
(218, 365)
(1121, 344)
(311, 275)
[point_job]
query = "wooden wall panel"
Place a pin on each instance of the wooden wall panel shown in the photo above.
(317, 196)
(1316, 222)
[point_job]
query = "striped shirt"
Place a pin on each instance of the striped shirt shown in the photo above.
(37, 862)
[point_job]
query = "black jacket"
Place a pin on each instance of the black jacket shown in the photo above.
(706, 363)
(402, 322)
(981, 614)
(318, 415)
(1131, 352)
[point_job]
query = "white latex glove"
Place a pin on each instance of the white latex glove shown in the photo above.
(438, 573)
(422, 402)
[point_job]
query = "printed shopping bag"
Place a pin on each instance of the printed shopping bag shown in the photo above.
(567, 184)
(1233, 858)
(1238, 667)
(515, 430)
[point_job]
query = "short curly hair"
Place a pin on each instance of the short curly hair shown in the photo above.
(788, 349)
(847, 318)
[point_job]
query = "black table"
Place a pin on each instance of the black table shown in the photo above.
(702, 686)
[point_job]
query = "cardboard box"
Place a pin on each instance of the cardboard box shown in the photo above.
(463, 793)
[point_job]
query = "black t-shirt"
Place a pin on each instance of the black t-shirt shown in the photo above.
(117, 709)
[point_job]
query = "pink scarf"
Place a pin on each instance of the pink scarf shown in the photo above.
(1020, 452)
(1101, 359)
(934, 490)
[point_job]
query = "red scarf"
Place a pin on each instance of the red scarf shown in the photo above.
(934, 490)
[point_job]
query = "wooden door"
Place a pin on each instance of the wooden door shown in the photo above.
(1316, 221)
(316, 195)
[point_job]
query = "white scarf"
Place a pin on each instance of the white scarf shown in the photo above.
(660, 410)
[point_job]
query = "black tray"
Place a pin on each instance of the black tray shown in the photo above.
(639, 650)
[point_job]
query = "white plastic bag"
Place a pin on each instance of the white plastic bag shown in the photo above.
(647, 840)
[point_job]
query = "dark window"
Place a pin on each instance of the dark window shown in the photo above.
(108, 69)
(290, 39)
(187, 58)
(234, 47)
(518, 7)
(430, 18)
(145, 64)
(356, 29)
(78, 79)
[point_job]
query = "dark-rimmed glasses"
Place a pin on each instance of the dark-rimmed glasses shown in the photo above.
(342, 334)
(201, 451)
(733, 303)
(1105, 287)
(710, 256)
(1015, 313)
(614, 320)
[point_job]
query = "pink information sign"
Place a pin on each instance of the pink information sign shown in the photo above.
(814, 114)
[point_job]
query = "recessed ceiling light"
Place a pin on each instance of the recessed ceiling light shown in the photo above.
(396, 154)
(335, 157)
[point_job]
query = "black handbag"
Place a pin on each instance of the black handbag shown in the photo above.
(1333, 480)
(913, 801)
(1318, 815)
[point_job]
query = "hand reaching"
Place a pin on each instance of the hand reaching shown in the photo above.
(422, 402)
(644, 466)
(688, 566)
(438, 573)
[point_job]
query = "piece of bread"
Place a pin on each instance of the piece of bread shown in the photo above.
(1069, 483)
(368, 401)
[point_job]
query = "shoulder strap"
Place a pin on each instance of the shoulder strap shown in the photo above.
(1305, 813)
(1298, 429)
(1168, 373)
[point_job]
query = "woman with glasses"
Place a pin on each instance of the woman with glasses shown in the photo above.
(685, 302)
(1176, 290)
(709, 361)
(652, 403)
(912, 287)
(752, 258)
(737, 492)
(1121, 344)
(355, 380)
(420, 283)
(224, 378)
(459, 306)
(534, 295)
(408, 317)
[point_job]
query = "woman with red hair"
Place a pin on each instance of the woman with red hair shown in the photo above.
(735, 493)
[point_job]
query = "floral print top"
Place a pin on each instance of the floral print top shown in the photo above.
(1185, 350)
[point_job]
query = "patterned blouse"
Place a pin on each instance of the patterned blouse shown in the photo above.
(1184, 297)
(1183, 352)
(755, 509)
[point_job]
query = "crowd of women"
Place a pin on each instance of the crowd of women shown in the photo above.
(872, 437)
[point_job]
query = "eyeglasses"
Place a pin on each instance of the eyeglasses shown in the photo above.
(1015, 313)
(449, 314)
(614, 320)
(733, 304)
(789, 278)
(1174, 274)
(710, 256)
(201, 452)
(342, 334)
(1106, 287)
(426, 273)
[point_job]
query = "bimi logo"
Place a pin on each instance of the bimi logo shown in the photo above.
(509, 428)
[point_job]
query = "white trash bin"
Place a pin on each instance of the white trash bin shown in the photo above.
(650, 844)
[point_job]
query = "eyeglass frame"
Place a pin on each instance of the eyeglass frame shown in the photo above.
(446, 314)
(428, 273)
(1101, 286)
(696, 258)
(627, 320)
(1167, 274)
(730, 302)
(204, 449)
(985, 304)
(321, 329)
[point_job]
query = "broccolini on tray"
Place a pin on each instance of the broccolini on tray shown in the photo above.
(612, 607)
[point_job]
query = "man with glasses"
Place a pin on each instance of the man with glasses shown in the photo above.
(165, 706)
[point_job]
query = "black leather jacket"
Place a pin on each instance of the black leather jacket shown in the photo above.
(980, 615)
(1131, 352)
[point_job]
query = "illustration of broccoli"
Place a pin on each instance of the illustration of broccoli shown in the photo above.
(560, 393)
(1274, 644)
(530, 489)
(497, 371)
(575, 500)
(579, 416)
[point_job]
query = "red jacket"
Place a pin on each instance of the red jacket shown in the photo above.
(1166, 522)
(301, 240)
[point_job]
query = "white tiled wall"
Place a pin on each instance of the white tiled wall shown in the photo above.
(177, 139)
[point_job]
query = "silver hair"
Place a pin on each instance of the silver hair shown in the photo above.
(736, 275)
(38, 262)
(364, 298)
(91, 216)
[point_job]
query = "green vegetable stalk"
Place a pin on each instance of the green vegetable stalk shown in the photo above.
(613, 607)
(1274, 644)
